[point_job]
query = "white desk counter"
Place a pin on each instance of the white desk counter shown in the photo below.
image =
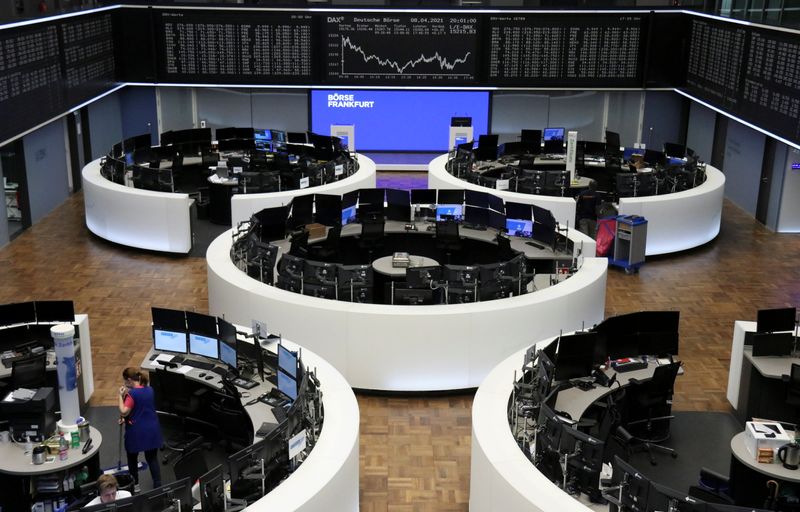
(408, 348)
(146, 219)
(245, 205)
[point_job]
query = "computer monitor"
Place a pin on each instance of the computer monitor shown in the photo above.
(661, 497)
(597, 149)
(476, 216)
(496, 203)
(322, 291)
(327, 209)
(634, 486)
(585, 461)
(319, 272)
(357, 274)
(772, 344)
(476, 198)
(553, 134)
(245, 462)
(167, 497)
(398, 205)
(448, 196)
(205, 346)
(613, 141)
(287, 361)
(169, 341)
(423, 196)
(774, 320)
(625, 184)
(18, 313)
(674, 150)
(55, 311)
(423, 277)
(348, 215)
(169, 319)
(413, 296)
(487, 147)
(129, 504)
(287, 385)
(449, 212)
(519, 227)
(228, 353)
(297, 137)
(212, 490)
(575, 357)
(201, 324)
(461, 275)
(497, 220)
(653, 157)
(302, 212)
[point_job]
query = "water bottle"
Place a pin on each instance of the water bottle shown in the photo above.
(63, 448)
(28, 444)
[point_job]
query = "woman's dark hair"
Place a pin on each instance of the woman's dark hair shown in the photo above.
(136, 375)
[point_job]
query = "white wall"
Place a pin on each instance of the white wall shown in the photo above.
(46, 168)
(789, 215)
(105, 124)
(700, 132)
(744, 155)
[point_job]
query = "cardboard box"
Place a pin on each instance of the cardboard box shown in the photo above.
(316, 230)
(764, 435)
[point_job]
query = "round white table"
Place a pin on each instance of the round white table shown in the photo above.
(384, 265)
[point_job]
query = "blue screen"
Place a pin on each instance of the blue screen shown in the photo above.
(453, 210)
(399, 120)
(287, 361)
(287, 385)
(348, 215)
(203, 346)
(553, 134)
(169, 341)
(519, 227)
(227, 354)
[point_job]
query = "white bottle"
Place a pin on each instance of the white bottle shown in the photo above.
(28, 444)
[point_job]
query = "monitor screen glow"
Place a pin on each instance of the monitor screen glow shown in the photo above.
(287, 361)
(287, 385)
(519, 227)
(169, 341)
(553, 134)
(348, 215)
(227, 354)
(203, 346)
(449, 210)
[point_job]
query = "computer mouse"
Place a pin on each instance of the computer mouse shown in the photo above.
(202, 374)
(209, 377)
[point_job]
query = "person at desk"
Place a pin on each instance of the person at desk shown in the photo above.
(142, 430)
(107, 491)
(588, 203)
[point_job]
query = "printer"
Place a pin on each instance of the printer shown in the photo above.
(34, 416)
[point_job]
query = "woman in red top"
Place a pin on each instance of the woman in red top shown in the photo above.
(142, 430)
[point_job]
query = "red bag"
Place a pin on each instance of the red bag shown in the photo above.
(606, 232)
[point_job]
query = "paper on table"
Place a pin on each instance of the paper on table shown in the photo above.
(163, 357)
(184, 369)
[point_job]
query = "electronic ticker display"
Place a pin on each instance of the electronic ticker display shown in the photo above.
(391, 48)
(87, 45)
(235, 47)
(716, 52)
(549, 50)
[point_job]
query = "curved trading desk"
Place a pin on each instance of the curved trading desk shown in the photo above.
(330, 472)
(245, 205)
(562, 208)
(162, 221)
(675, 222)
(409, 348)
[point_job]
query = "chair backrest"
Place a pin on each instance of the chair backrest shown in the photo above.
(170, 389)
(29, 372)
(372, 229)
(191, 464)
(664, 377)
(334, 234)
(794, 376)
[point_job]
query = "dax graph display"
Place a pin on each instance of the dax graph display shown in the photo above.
(398, 49)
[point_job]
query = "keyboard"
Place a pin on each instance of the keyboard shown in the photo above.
(199, 364)
(265, 429)
(280, 414)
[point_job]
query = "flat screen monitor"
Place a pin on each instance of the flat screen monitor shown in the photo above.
(674, 150)
(594, 148)
(661, 497)
(635, 486)
(653, 157)
(423, 196)
(612, 140)
(398, 205)
(167, 497)
(518, 211)
(212, 490)
(263, 140)
(201, 324)
(772, 344)
(476, 198)
(227, 353)
(423, 277)
(287, 385)
(169, 341)
(328, 208)
(496, 204)
(447, 196)
(519, 227)
(350, 199)
(272, 222)
(297, 137)
(205, 346)
(18, 313)
(497, 220)
(775, 320)
(553, 134)
(487, 147)
(169, 319)
(476, 216)
(348, 215)
(302, 211)
(448, 211)
(412, 296)
(575, 356)
(287, 361)
(55, 311)
(130, 504)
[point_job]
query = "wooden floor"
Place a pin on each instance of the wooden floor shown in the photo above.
(414, 451)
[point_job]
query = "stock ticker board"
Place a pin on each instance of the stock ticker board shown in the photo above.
(235, 47)
(376, 48)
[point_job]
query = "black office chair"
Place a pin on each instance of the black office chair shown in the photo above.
(233, 424)
(372, 230)
(447, 238)
(299, 244)
(191, 464)
(712, 488)
(328, 250)
(176, 397)
(793, 387)
(29, 372)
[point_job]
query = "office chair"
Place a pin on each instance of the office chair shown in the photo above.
(191, 464)
(531, 140)
(233, 423)
(299, 244)
(371, 238)
(175, 396)
(447, 238)
(329, 249)
(712, 488)
(29, 372)
(793, 387)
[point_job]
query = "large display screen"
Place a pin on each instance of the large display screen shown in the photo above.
(234, 46)
(392, 48)
(398, 120)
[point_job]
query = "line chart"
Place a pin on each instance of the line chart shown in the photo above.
(443, 62)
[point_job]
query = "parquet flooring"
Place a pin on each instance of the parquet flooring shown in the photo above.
(414, 450)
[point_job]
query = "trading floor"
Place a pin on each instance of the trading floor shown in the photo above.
(414, 450)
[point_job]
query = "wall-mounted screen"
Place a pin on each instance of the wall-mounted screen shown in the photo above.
(398, 120)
